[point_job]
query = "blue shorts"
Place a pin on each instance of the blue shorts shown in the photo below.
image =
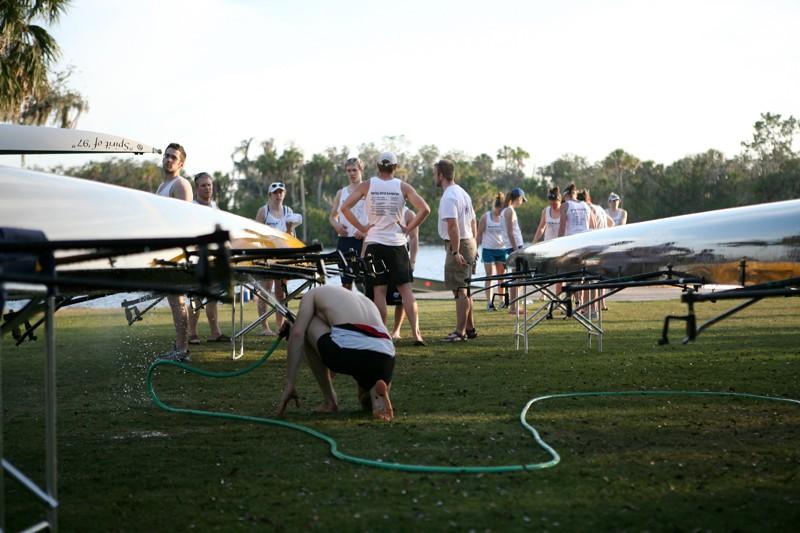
(494, 256)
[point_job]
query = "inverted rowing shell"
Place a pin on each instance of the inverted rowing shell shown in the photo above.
(711, 245)
(70, 208)
(17, 139)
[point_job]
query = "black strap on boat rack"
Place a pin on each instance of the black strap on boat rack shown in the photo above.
(752, 294)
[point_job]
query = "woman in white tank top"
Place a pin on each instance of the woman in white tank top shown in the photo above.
(576, 217)
(280, 217)
(619, 216)
(550, 221)
(512, 236)
(494, 253)
(601, 218)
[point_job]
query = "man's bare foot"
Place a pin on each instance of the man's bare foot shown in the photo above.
(327, 408)
(381, 405)
(396, 336)
(267, 333)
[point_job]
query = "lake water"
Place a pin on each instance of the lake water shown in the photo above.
(430, 264)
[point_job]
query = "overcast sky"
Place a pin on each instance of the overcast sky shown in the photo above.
(660, 79)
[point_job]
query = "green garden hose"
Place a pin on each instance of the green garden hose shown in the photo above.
(554, 457)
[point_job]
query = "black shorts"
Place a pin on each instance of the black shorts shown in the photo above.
(393, 296)
(344, 245)
(397, 263)
(366, 366)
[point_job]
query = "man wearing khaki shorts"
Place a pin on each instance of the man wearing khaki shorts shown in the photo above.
(457, 227)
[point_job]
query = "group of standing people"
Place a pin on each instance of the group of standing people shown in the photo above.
(337, 329)
(499, 233)
(572, 212)
(372, 218)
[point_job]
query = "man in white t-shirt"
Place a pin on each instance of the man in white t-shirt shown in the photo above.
(204, 192)
(458, 228)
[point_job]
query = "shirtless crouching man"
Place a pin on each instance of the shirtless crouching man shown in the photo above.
(341, 331)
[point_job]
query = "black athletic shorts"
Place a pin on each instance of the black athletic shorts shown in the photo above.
(366, 366)
(397, 261)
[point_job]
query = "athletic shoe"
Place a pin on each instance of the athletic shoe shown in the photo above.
(490, 307)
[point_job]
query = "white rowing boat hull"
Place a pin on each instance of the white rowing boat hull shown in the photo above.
(67, 208)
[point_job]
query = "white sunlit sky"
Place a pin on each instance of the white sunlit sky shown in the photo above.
(660, 79)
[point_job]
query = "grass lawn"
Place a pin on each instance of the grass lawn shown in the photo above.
(628, 464)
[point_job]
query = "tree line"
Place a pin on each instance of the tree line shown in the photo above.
(767, 169)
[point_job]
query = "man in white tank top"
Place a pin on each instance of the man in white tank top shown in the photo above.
(175, 186)
(349, 238)
(386, 235)
(457, 228)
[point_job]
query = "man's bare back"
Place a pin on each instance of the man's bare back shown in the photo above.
(322, 308)
(337, 305)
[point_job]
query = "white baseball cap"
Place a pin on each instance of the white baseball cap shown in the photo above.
(613, 196)
(278, 185)
(387, 158)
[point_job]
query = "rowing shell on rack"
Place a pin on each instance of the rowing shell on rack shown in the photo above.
(69, 208)
(742, 245)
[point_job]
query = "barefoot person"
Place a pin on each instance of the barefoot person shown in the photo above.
(339, 330)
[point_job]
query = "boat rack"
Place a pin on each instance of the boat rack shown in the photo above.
(751, 293)
(28, 258)
(577, 300)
